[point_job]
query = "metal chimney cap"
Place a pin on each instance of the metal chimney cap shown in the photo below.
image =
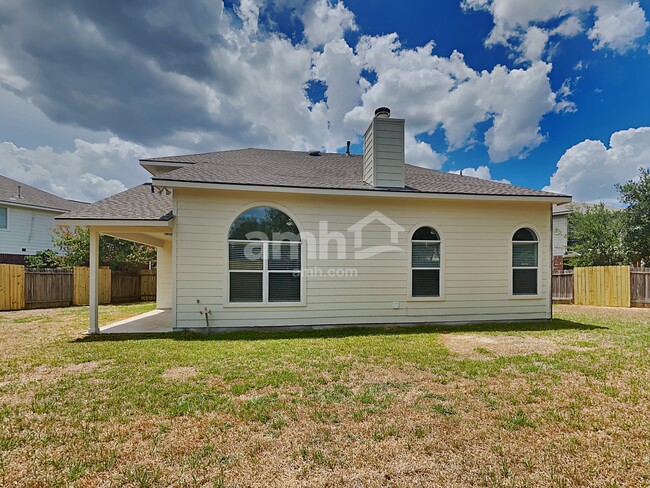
(383, 112)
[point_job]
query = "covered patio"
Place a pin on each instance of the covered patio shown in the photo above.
(154, 322)
(143, 215)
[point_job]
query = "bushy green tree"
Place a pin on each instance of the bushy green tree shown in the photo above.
(43, 259)
(596, 235)
(114, 253)
(636, 217)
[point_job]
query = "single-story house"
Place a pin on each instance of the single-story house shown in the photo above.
(267, 238)
(27, 219)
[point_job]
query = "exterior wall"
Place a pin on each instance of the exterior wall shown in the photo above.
(560, 231)
(164, 276)
(475, 274)
(27, 229)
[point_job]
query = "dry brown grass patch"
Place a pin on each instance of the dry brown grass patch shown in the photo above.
(179, 373)
(475, 346)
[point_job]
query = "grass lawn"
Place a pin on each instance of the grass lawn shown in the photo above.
(562, 403)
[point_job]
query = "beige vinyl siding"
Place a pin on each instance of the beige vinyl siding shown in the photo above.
(28, 229)
(164, 276)
(560, 233)
(475, 274)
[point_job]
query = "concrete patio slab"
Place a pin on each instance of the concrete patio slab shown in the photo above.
(156, 321)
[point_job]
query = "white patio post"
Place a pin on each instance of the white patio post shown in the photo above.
(93, 288)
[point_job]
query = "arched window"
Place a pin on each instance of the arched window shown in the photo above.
(425, 263)
(524, 262)
(265, 257)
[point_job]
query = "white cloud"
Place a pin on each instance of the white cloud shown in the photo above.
(589, 170)
(482, 172)
(240, 85)
(618, 29)
(90, 172)
(619, 24)
(419, 153)
(569, 27)
(432, 91)
(324, 22)
(534, 43)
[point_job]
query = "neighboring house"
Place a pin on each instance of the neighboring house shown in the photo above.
(256, 238)
(561, 214)
(27, 218)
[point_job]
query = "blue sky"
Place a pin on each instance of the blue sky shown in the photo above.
(540, 94)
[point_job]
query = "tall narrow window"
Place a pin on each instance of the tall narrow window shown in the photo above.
(3, 217)
(425, 263)
(524, 262)
(265, 258)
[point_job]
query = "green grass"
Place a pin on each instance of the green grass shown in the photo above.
(252, 408)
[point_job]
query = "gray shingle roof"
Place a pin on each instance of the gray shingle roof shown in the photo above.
(264, 167)
(137, 203)
(33, 196)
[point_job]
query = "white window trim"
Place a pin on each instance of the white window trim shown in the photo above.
(410, 297)
(5, 229)
(537, 295)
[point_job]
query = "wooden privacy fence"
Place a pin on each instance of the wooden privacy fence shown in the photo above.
(562, 286)
(48, 288)
(610, 286)
(12, 287)
(22, 287)
(640, 287)
(607, 286)
(81, 294)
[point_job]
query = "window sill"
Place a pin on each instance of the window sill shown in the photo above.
(425, 299)
(525, 297)
(265, 305)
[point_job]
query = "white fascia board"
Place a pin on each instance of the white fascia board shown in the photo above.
(114, 223)
(363, 193)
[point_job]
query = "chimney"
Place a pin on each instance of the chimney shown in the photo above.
(383, 151)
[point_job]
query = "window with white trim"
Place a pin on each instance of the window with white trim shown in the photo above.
(525, 244)
(3, 218)
(425, 263)
(265, 258)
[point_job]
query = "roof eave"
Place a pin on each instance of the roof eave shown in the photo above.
(13, 203)
(86, 222)
(555, 198)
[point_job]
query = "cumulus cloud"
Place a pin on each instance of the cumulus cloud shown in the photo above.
(618, 29)
(432, 91)
(482, 172)
(618, 26)
(207, 78)
(90, 172)
(589, 170)
(324, 22)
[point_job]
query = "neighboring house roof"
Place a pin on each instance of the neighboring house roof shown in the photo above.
(137, 203)
(567, 208)
(293, 169)
(33, 197)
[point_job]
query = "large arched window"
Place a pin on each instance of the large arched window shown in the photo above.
(425, 263)
(524, 262)
(265, 257)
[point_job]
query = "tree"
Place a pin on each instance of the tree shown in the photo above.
(114, 253)
(595, 235)
(636, 217)
(43, 259)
